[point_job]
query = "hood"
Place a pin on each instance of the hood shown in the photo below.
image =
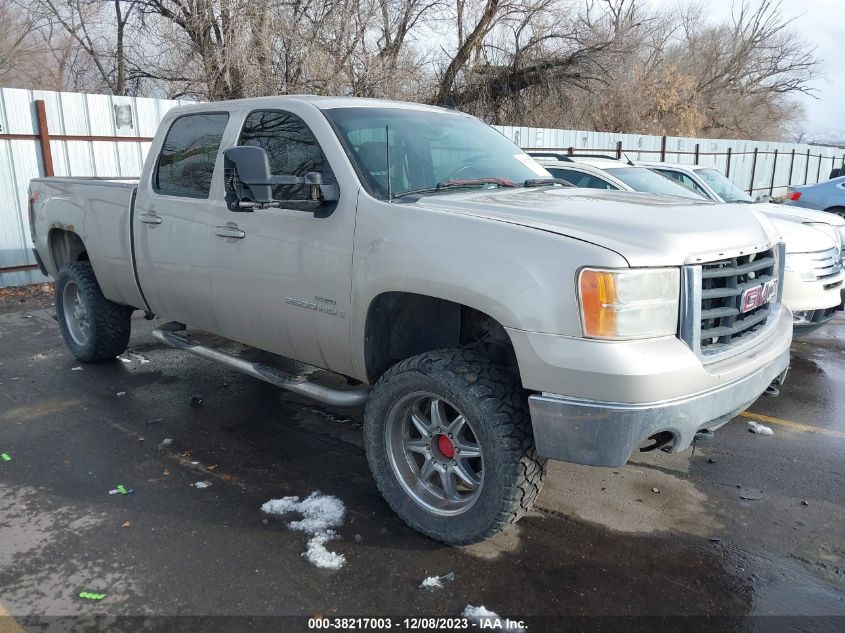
(803, 238)
(646, 229)
(801, 214)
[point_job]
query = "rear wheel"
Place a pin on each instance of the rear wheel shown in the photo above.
(449, 441)
(93, 327)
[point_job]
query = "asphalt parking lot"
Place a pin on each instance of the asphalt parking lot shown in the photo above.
(745, 525)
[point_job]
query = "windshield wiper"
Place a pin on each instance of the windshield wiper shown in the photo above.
(458, 184)
(542, 182)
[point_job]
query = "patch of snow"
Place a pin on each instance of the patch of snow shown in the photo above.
(320, 513)
(123, 359)
(486, 619)
(436, 582)
(202, 484)
(72, 369)
(760, 429)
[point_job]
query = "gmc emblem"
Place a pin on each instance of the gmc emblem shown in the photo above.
(758, 295)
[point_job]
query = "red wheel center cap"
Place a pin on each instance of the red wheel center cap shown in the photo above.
(444, 445)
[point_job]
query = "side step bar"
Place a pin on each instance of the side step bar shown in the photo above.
(298, 384)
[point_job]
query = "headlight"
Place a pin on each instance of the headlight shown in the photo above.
(802, 265)
(626, 304)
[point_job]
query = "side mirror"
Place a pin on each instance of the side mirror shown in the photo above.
(247, 170)
(763, 197)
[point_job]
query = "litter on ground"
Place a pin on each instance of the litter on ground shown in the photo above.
(486, 619)
(320, 513)
(202, 484)
(88, 595)
(76, 368)
(126, 524)
(5, 457)
(436, 582)
(167, 441)
(121, 489)
(759, 429)
(120, 394)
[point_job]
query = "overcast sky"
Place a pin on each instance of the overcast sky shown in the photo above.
(822, 24)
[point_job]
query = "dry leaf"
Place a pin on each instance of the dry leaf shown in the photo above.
(126, 524)
(227, 477)
(140, 439)
(212, 467)
(166, 472)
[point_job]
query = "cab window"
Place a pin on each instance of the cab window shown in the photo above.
(186, 162)
(291, 150)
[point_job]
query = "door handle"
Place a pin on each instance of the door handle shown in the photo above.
(229, 230)
(149, 218)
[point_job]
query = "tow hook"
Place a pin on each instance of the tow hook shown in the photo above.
(703, 435)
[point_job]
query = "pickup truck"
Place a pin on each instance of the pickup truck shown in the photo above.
(489, 316)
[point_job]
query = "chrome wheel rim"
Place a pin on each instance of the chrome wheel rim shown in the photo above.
(434, 453)
(75, 312)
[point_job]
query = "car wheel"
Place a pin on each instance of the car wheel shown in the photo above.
(449, 441)
(93, 327)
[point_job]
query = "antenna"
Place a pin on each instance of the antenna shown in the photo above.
(387, 152)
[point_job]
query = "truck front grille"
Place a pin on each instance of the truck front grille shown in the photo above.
(827, 265)
(723, 324)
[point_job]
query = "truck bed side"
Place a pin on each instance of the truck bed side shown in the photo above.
(71, 214)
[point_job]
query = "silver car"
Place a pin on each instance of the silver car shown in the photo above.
(824, 196)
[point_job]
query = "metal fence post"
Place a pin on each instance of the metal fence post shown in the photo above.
(618, 149)
(791, 165)
(807, 168)
(44, 138)
(753, 170)
(819, 170)
(774, 171)
(663, 150)
(570, 151)
(728, 168)
(697, 152)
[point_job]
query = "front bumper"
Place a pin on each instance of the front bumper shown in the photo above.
(606, 433)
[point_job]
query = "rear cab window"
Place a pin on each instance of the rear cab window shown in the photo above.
(186, 161)
(580, 179)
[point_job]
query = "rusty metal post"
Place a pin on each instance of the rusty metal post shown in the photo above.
(819, 170)
(663, 150)
(753, 171)
(570, 151)
(774, 171)
(728, 167)
(618, 149)
(697, 153)
(44, 137)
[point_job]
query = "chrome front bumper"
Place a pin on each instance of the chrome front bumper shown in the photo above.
(606, 433)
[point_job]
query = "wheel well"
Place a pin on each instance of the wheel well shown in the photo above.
(404, 324)
(66, 247)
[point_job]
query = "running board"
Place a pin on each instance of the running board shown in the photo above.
(298, 384)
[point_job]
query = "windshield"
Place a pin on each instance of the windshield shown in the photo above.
(427, 148)
(727, 191)
(643, 179)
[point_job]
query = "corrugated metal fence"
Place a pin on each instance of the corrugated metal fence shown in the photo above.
(87, 135)
(71, 134)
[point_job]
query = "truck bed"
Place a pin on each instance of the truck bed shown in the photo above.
(99, 212)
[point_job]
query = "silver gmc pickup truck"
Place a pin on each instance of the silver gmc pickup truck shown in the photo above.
(490, 316)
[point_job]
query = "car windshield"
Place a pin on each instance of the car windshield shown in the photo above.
(643, 179)
(727, 191)
(427, 148)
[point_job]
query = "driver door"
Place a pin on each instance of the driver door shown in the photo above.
(281, 277)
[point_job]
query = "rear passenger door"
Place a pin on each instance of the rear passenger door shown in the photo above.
(172, 218)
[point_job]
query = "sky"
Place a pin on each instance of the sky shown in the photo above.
(821, 23)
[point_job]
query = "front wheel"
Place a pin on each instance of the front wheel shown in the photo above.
(449, 441)
(93, 327)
